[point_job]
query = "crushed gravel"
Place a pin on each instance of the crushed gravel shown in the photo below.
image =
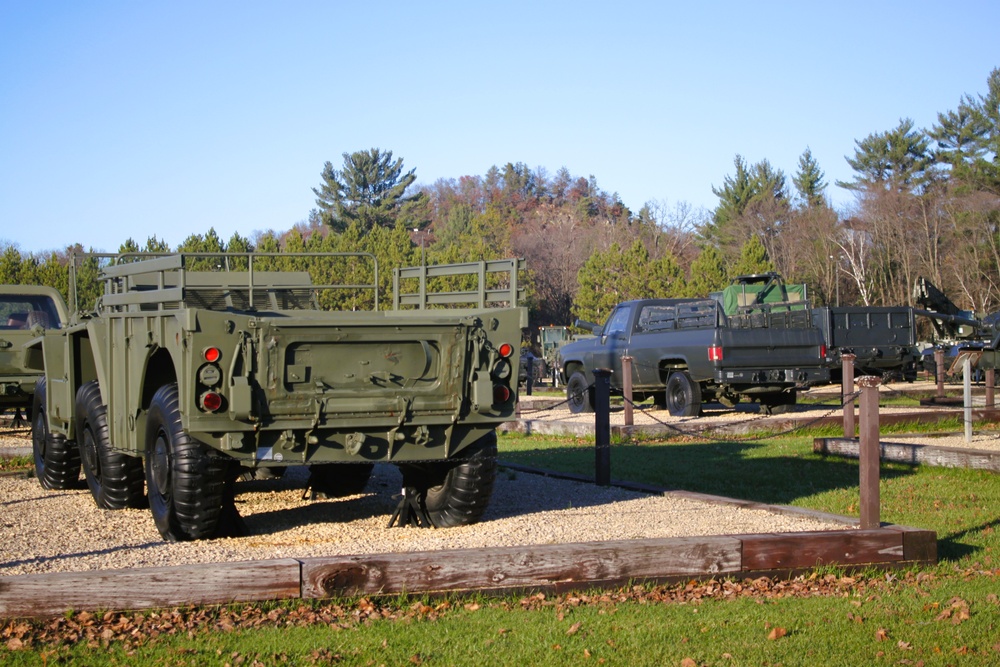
(56, 531)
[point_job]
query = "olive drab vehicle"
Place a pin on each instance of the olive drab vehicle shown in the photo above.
(187, 373)
(25, 311)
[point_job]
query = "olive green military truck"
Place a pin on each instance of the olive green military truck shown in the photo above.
(25, 310)
(184, 375)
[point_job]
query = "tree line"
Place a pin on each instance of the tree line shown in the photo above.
(927, 203)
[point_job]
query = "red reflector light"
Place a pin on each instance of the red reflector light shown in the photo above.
(822, 351)
(715, 353)
(501, 394)
(505, 350)
(212, 354)
(211, 401)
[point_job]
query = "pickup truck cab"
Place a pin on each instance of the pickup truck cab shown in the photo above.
(688, 351)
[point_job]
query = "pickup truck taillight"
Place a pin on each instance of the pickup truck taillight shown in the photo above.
(715, 353)
(822, 351)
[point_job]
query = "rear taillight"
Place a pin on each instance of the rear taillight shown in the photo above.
(715, 353)
(822, 351)
(505, 350)
(501, 394)
(211, 401)
(212, 354)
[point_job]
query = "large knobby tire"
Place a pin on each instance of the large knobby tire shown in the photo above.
(456, 492)
(186, 485)
(115, 479)
(336, 480)
(683, 395)
(57, 460)
(579, 394)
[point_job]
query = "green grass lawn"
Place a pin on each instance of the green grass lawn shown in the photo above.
(943, 615)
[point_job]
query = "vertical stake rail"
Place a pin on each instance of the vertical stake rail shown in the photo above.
(627, 388)
(868, 452)
(602, 426)
(847, 391)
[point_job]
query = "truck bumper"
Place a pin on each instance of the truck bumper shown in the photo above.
(771, 377)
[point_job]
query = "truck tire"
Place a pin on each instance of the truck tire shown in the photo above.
(336, 480)
(579, 394)
(456, 493)
(57, 460)
(683, 395)
(115, 479)
(186, 485)
(779, 404)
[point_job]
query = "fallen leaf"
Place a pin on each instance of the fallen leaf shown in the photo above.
(903, 645)
(586, 653)
(688, 662)
(881, 635)
(474, 606)
(573, 629)
(777, 633)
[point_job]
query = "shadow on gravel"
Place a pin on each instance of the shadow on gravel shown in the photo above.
(514, 494)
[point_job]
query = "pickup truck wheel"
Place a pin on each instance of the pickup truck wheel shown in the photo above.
(456, 493)
(186, 485)
(683, 395)
(778, 405)
(115, 479)
(336, 480)
(579, 394)
(57, 460)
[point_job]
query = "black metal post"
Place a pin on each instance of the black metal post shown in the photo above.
(602, 426)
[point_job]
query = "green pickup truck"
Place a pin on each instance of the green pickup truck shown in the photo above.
(188, 373)
(25, 311)
(689, 351)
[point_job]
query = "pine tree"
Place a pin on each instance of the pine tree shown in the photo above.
(894, 160)
(708, 273)
(753, 259)
(370, 190)
(809, 181)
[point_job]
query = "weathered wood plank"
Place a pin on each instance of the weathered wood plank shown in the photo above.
(800, 550)
(919, 544)
(533, 566)
(931, 455)
(210, 583)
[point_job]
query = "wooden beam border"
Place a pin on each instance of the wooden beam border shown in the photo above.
(141, 588)
(931, 455)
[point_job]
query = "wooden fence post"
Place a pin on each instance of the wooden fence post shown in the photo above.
(627, 388)
(868, 452)
(967, 395)
(991, 378)
(602, 426)
(847, 391)
(939, 365)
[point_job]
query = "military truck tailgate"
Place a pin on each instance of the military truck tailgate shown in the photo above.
(368, 366)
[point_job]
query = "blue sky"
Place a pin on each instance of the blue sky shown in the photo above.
(122, 119)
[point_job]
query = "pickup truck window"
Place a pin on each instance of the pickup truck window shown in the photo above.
(656, 318)
(23, 311)
(617, 322)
